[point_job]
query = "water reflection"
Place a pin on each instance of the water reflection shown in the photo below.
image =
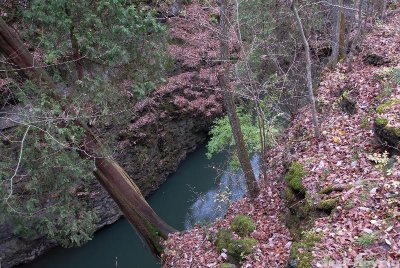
(214, 203)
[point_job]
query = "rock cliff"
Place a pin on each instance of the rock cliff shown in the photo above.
(167, 126)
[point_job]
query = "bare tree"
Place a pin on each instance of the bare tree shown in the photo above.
(229, 100)
(113, 178)
(308, 68)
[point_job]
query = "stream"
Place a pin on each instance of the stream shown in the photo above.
(196, 193)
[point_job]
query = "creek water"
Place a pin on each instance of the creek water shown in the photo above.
(196, 193)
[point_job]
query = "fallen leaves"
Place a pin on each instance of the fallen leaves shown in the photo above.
(365, 227)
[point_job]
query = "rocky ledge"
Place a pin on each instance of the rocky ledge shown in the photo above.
(167, 126)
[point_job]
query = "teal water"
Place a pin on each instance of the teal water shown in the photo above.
(173, 201)
(189, 196)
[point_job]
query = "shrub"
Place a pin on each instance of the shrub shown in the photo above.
(224, 237)
(237, 249)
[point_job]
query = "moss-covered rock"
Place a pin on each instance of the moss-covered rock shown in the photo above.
(327, 205)
(240, 248)
(334, 188)
(327, 189)
(294, 177)
(388, 135)
(235, 249)
(242, 225)
(375, 59)
(381, 122)
(382, 108)
(213, 18)
(347, 104)
(289, 196)
(227, 265)
(388, 132)
(301, 251)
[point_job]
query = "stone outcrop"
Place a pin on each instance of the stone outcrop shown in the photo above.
(167, 126)
(387, 124)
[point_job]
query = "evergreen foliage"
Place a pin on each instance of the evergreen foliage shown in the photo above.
(47, 203)
(114, 34)
(47, 193)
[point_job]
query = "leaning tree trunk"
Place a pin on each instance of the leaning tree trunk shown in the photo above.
(229, 101)
(14, 49)
(308, 69)
(113, 178)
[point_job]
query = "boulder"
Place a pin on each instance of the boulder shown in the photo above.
(375, 59)
(387, 124)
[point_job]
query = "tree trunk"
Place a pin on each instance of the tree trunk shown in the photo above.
(342, 32)
(384, 8)
(229, 101)
(339, 34)
(132, 204)
(13, 48)
(113, 178)
(356, 39)
(75, 46)
(308, 69)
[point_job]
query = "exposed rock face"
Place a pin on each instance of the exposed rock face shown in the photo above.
(375, 59)
(15, 250)
(387, 124)
(167, 126)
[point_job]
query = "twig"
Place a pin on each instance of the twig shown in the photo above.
(18, 164)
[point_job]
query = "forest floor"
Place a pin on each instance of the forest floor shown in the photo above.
(363, 230)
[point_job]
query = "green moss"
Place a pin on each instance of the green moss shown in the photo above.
(392, 134)
(155, 235)
(294, 177)
(327, 205)
(302, 250)
(327, 190)
(366, 239)
(213, 18)
(395, 131)
(242, 225)
(224, 237)
(289, 196)
(227, 265)
(308, 206)
(238, 249)
(382, 107)
(364, 122)
(381, 121)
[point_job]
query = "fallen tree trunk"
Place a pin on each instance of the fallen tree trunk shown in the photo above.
(113, 178)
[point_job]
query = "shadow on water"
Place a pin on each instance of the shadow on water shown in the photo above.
(186, 198)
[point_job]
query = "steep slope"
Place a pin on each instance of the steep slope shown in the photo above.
(349, 186)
